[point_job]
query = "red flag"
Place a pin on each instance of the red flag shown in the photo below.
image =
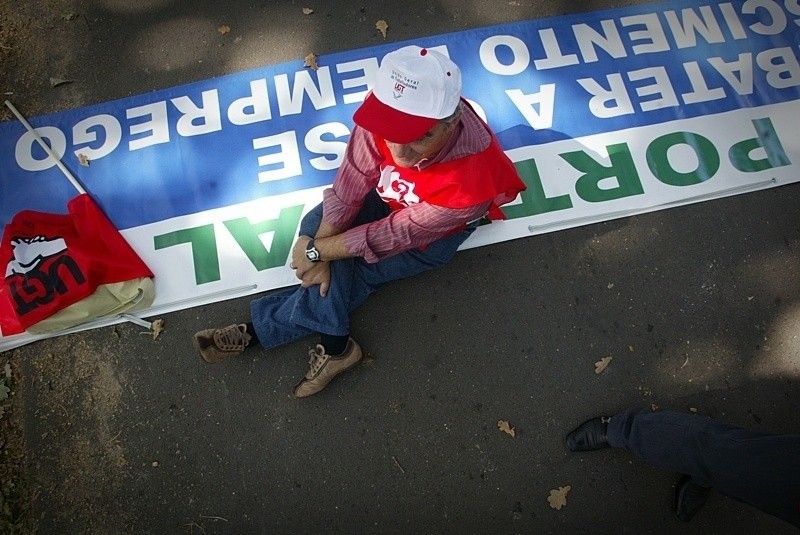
(52, 261)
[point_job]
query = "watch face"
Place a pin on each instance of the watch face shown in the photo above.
(312, 254)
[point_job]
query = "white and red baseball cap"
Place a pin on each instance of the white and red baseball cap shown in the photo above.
(414, 88)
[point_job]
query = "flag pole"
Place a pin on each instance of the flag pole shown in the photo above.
(47, 149)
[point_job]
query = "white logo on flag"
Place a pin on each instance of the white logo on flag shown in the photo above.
(30, 252)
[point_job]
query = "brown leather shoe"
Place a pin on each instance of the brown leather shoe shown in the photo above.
(214, 345)
(322, 368)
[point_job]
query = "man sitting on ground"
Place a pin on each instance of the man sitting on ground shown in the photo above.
(420, 171)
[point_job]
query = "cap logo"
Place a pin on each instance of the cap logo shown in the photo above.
(401, 83)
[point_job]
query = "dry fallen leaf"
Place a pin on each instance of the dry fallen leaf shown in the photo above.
(601, 365)
(311, 61)
(307, 11)
(224, 29)
(505, 428)
(83, 159)
(156, 327)
(558, 498)
(382, 26)
(59, 81)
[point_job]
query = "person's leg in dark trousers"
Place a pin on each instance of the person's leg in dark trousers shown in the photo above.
(760, 469)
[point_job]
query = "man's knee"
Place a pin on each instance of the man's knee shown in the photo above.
(311, 221)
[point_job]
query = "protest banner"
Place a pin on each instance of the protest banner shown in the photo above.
(605, 114)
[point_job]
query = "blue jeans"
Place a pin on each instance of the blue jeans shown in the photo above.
(286, 315)
(757, 468)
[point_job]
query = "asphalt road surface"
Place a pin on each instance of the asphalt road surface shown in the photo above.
(698, 305)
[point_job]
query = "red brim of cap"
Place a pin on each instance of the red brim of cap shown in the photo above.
(391, 124)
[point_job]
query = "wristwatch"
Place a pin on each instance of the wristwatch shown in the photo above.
(312, 253)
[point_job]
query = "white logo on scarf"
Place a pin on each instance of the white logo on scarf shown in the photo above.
(393, 188)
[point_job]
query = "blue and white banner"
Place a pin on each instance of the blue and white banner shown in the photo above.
(605, 114)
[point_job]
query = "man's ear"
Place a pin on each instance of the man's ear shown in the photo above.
(459, 111)
(453, 119)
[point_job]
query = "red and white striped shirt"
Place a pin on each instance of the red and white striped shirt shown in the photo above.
(415, 226)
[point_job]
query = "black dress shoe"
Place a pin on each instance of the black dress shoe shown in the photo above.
(590, 435)
(689, 498)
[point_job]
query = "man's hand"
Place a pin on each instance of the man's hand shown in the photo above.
(299, 260)
(310, 273)
(320, 273)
